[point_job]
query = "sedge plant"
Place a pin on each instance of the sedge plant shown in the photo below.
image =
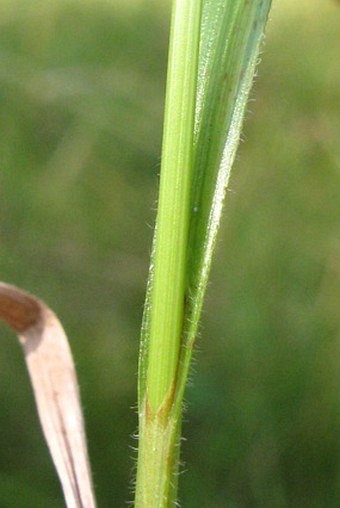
(213, 52)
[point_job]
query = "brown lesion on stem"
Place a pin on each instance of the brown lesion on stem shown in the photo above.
(163, 412)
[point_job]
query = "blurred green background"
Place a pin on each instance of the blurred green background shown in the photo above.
(81, 91)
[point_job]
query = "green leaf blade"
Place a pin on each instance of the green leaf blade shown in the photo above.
(231, 35)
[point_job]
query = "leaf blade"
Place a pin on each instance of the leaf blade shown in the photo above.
(53, 378)
(231, 36)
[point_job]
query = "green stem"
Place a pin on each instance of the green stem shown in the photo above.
(169, 276)
(158, 428)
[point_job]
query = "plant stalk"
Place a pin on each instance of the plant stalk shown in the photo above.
(157, 428)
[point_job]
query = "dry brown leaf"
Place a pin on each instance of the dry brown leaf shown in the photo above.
(55, 387)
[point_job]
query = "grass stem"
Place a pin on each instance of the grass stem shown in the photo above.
(168, 289)
(158, 432)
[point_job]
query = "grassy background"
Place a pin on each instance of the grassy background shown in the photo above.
(81, 91)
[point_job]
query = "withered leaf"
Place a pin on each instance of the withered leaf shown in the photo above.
(53, 377)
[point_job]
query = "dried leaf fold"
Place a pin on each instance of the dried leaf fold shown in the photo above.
(53, 377)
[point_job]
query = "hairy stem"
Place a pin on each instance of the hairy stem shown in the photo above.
(157, 431)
